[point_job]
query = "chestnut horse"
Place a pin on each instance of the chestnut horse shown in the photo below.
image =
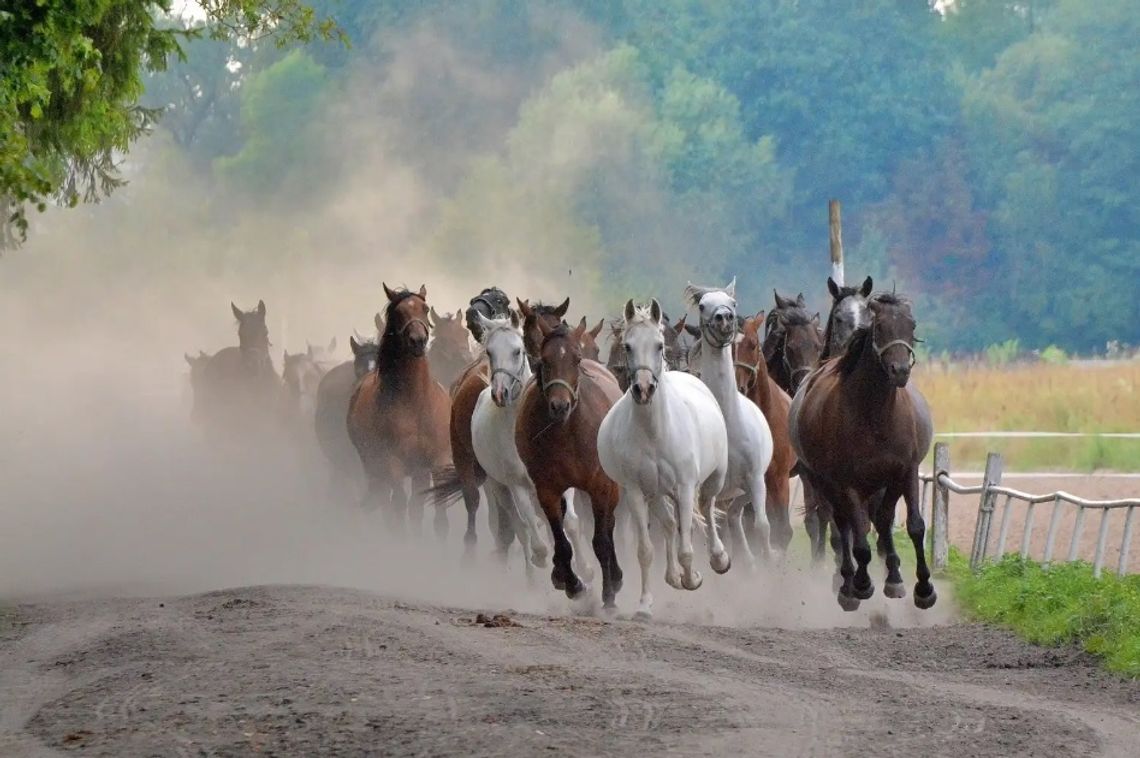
(450, 351)
(557, 439)
(863, 405)
(590, 349)
(754, 383)
(397, 418)
(241, 389)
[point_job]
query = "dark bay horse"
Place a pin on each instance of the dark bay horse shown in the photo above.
(241, 388)
(754, 383)
(491, 303)
(860, 428)
(848, 313)
(450, 350)
(557, 438)
(334, 396)
(398, 415)
(793, 342)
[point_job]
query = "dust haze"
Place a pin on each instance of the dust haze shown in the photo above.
(106, 488)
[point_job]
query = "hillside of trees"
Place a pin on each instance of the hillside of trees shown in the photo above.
(985, 152)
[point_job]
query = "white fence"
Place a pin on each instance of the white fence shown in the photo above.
(990, 492)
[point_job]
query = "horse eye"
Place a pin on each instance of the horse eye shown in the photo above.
(518, 352)
(702, 307)
(628, 348)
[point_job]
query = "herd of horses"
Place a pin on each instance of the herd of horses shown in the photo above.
(686, 425)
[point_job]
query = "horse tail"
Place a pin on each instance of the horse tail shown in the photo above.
(447, 486)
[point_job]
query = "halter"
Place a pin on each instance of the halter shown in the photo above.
(792, 372)
(880, 350)
(514, 378)
(751, 369)
(717, 343)
(559, 383)
(408, 325)
(484, 299)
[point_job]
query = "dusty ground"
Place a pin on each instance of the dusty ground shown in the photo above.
(310, 670)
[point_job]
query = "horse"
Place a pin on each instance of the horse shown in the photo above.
(240, 386)
(491, 303)
(750, 446)
(493, 438)
(688, 337)
(334, 396)
(450, 350)
(665, 443)
(848, 313)
(398, 414)
(863, 404)
(301, 375)
(197, 365)
(793, 342)
(590, 349)
(557, 439)
(753, 381)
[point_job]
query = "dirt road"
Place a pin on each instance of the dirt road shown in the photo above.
(293, 670)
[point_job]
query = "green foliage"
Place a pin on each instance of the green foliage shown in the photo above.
(1054, 355)
(1003, 353)
(1059, 605)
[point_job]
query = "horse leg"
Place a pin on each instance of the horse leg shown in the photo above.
(861, 548)
(471, 503)
(524, 514)
(779, 489)
(562, 575)
(635, 504)
(664, 508)
(500, 521)
(573, 525)
(604, 550)
(924, 594)
(884, 526)
(719, 558)
(686, 503)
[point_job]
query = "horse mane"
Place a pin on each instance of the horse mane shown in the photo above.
(693, 293)
(855, 347)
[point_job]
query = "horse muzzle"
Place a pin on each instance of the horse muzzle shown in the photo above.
(643, 391)
(559, 408)
(898, 374)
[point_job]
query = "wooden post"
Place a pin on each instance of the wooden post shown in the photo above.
(992, 478)
(940, 509)
(835, 226)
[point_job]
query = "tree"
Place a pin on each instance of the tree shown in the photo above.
(72, 78)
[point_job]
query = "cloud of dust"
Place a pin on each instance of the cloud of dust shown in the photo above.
(107, 488)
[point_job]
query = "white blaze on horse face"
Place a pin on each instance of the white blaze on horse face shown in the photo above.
(857, 312)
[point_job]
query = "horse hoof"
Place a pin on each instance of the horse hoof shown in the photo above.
(894, 590)
(694, 582)
(538, 560)
(575, 590)
(848, 603)
(925, 602)
(609, 610)
(643, 616)
(865, 593)
(558, 582)
(721, 563)
(674, 582)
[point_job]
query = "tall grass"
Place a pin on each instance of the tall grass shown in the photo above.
(1068, 397)
(1062, 604)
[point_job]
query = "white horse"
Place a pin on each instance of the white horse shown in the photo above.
(508, 485)
(749, 437)
(665, 443)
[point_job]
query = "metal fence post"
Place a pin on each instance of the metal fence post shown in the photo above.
(940, 508)
(992, 478)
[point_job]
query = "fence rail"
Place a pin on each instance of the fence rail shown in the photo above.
(991, 491)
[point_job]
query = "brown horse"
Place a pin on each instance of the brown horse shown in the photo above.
(240, 387)
(590, 349)
(397, 419)
(557, 438)
(334, 396)
(862, 404)
(467, 476)
(754, 383)
(450, 351)
(793, 342)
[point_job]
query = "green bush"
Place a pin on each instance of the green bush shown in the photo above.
(1054, 355)
(1061, 604)
(1002, 353)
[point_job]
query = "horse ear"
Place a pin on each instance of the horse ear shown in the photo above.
(815, 319)
(544, 327)
(388, 293)
(516, 322)
(866, 289)
(800, 300)
(332, 345)
(433, 316)
(655, 310)
(189, 360)
(237, 311)
(524, 308)
(833, 288)
(560, 311)
(261, 308)
(579, 332)
(378, 320)
(757, 320)
(203, 354)
(731, 288)
(423, 291)
(781, 302)
(629, 310)
(597, 329)
(352, 343)
(308, 349)
(677, 327)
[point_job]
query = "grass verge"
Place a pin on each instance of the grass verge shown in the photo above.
(1062, 604)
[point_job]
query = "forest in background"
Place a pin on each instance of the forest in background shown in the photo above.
(985, 155)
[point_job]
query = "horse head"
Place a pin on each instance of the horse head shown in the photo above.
(364, 356)
(643, 340)
(590, 349)
(748, 353)
(492, 303)
(503, 343)
(717, 309)
(848, 313)
(559, 363)
(253, 334)
(892, 336)
(406, 321)
(533, 316)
